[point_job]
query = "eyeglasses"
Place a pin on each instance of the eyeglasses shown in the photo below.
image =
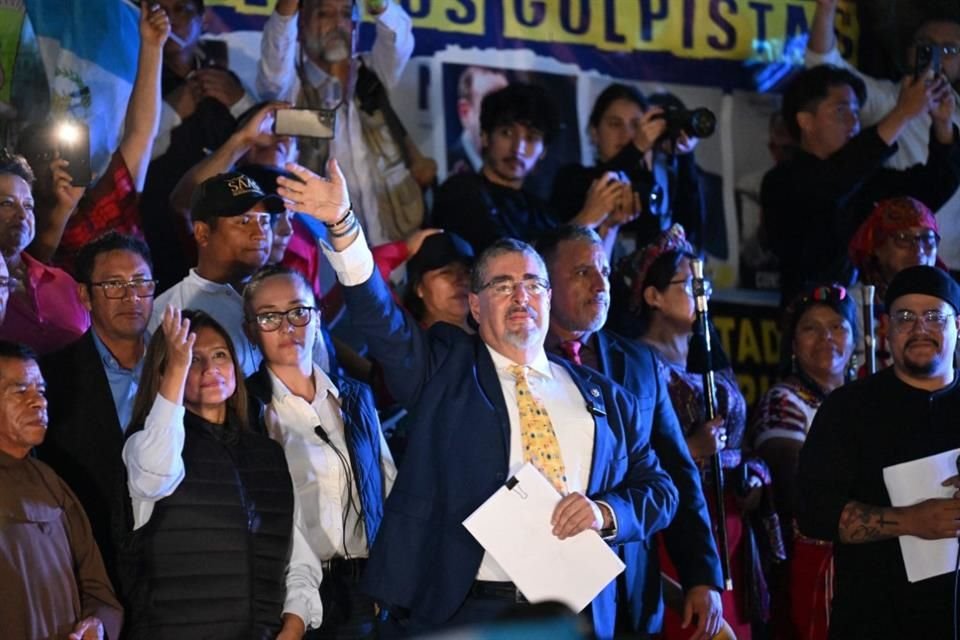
(296, 317)
(504, 287)
(8, 283)
(117, 289)
(688, 286)
(926, 240)
(905, 320)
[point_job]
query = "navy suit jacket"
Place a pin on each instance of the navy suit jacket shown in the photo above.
(84, 443)
(689, 538)
(424, 559)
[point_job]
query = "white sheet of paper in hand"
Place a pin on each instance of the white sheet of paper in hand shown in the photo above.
(513, 525)
(909, 483)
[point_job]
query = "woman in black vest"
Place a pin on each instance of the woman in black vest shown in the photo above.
(213, 502)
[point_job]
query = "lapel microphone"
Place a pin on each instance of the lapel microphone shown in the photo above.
(322, 434)
(600, 413)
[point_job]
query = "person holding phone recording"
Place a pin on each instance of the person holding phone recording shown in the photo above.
(938, 32)
(74, 209)
(815, 201)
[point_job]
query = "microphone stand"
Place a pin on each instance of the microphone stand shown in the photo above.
(869, 329)
(710, 400)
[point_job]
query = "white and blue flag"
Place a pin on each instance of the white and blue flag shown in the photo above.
(89, 51)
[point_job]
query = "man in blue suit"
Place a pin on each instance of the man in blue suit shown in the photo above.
(466, 431)
(579, 273)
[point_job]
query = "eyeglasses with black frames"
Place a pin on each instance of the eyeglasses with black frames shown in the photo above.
(117, 289)
(296, 317)
(505, 286)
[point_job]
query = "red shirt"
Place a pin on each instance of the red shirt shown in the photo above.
(47, 314)
(110, 204)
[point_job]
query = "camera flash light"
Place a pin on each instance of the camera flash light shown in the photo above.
(68, 133)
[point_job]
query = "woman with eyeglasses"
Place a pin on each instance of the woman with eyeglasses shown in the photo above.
(656, 305)
(338, 458)
(900, 233)
(44, 311)
(216, 549)
(818, 338)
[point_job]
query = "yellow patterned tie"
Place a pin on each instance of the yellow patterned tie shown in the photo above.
(540, 445)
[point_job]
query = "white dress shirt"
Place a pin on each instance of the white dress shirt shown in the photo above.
(277, 79)
(154, 461)
(554, 388)
(913, 144)
(317, 473)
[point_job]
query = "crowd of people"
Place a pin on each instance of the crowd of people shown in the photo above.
(251, 385)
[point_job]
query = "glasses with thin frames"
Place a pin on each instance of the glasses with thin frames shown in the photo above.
(504, 287)
(905, 320)
(296, 317)
(117, 289)
(688, 286)
(926, 240)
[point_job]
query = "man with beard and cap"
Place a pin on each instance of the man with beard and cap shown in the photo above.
(308, 58)
(900, 233)
(231, 224)
(906, 412)
(480, 407)
(580, 275)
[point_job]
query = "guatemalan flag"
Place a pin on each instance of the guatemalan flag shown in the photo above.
(89, 50)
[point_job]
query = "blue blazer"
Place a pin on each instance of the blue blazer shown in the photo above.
(689, 537)
(424, 560)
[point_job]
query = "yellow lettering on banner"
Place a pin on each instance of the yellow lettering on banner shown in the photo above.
(725, 326)
(748, 349)
(696, 29)
(454, 16)
(770, 337)
(718, 29)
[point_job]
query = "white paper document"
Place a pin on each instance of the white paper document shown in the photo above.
(909, 483)
(513, 525)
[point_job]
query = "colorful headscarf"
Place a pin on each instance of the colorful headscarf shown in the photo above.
(887, 218)
(634, 267)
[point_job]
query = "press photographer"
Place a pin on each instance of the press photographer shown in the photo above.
(647, 144)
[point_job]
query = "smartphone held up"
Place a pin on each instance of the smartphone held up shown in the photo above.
(72, 140)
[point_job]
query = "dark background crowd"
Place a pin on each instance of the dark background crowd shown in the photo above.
(256, 373)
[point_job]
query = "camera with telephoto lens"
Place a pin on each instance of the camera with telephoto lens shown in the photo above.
(696, 123)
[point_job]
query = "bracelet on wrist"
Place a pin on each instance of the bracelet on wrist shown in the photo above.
(346, 216)
(353, 226)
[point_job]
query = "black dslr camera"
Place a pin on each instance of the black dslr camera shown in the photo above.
(696, 123)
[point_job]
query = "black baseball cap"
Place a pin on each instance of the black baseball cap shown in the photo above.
(437, 251)
(230, 194)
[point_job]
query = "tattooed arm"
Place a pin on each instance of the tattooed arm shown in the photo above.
(931, 519)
